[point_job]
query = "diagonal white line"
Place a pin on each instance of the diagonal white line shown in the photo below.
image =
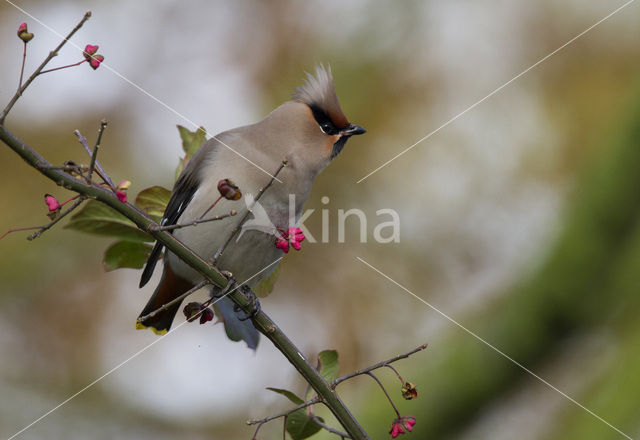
(494, 348)
(540, 61)
(142, 350)
(162, 103)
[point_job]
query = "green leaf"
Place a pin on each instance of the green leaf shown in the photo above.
(301, 426)
(98, 218)
(328, 367)
(126, 254)
(288, 394)
(191, 141)
(153, 201)
(328, 364)
(265, 287)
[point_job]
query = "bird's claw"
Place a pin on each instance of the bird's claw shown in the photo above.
(254, 304)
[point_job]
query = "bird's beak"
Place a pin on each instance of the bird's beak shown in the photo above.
(352, 130)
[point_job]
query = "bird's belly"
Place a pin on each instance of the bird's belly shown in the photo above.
(249, 259)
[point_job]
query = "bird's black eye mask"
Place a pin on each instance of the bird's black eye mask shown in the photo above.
(323, 120)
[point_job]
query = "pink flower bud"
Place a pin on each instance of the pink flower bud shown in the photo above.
(51, 202)
(95, 61)
(23, 34)
(229, 190)
(89, 50)
(282, 245)
(408, 423)
(122, 195)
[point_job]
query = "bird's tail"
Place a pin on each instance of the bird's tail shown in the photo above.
(170, 287)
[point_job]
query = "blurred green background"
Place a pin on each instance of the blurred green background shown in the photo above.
(520, 220)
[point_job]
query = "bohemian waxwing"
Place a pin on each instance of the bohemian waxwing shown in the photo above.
(309, 131)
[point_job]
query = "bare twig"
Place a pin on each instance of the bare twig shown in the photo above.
(98, 168)
(369, 373)
(12, 230)
(33, 76)
(255, 434)
(378, 365)
(329, 428)
(63, 214)
(210, 207)
(62, 67)
(24, 58)
(94, 155)
(246, 215)
(395, 371)
(285, 413)
(284, 427)
(194, 222)
(198, 286)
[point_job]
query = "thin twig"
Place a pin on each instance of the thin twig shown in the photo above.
(198, 286)
(246, 215)
(94, 154)
(255, 434)
(33, 76)
(211, 207)
(24, 58)
(395, 371)
(285, 413)
(64, 213)
(329, 428)
(369, 373)
(62, 67)
(194, 222)
(284, 427)
(98, 168)
(27, 228)
(376, 366)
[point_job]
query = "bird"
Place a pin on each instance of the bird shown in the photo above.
(309, 131)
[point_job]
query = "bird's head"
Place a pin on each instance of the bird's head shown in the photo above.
(332, 127)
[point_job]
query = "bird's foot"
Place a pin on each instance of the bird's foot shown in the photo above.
(254, 306)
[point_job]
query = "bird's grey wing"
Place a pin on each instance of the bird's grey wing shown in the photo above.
(182, 193)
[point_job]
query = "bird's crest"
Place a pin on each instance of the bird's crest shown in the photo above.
(319, 91)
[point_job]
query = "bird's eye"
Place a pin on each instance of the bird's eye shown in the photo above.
(326, 127)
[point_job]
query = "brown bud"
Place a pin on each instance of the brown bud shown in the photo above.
(409, 391)
(229, 190)
(191, 311)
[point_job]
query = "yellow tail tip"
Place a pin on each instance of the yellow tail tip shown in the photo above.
(141, 326)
